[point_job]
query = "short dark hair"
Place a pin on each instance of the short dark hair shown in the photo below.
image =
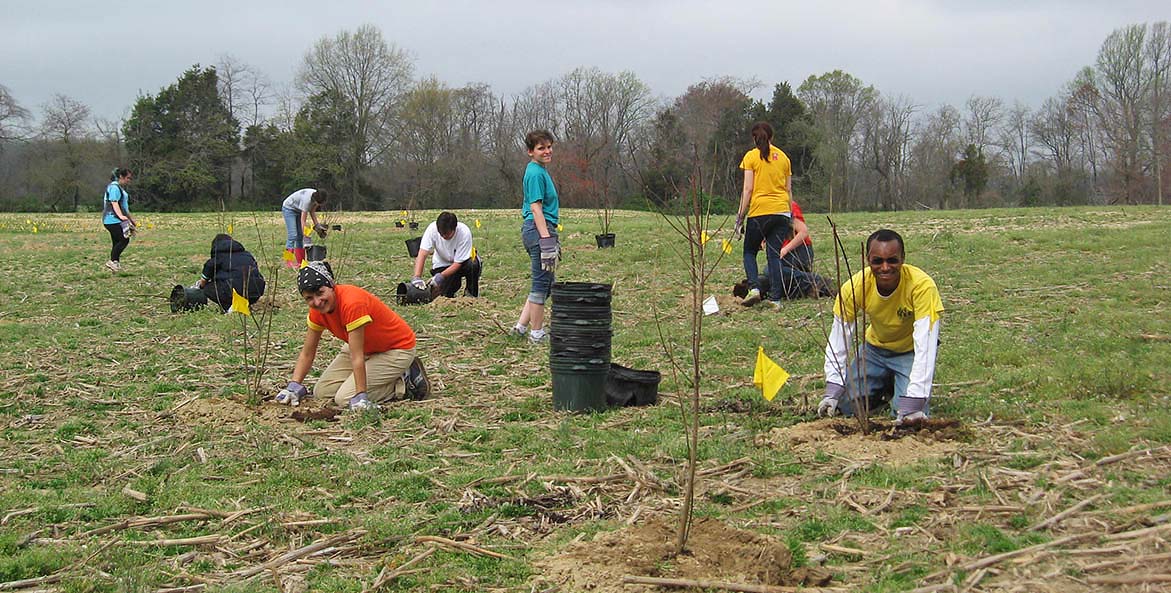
(446, 222)
(884, 235)
(119, 173)
(537, 136)
(221, 237)
(320, 195)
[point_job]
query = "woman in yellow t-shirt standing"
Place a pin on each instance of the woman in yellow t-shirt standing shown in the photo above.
(764, 214)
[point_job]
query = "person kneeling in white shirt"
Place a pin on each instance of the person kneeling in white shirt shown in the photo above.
(449, 243)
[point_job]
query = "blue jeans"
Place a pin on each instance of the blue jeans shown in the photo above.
(542, 280)
(772, 229)
(885, 380)
(294, 236)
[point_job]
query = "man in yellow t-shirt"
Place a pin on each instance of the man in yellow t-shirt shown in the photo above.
(898, 362)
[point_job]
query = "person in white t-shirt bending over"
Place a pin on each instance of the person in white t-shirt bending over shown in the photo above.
(449, 243)
(297, 209)
(902, 339)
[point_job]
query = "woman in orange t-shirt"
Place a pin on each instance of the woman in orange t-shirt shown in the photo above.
(378, 358)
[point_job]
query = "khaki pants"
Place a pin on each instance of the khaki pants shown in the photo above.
(384, 376)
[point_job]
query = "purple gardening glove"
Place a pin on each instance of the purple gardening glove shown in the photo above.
(437, 280)
(738, 230)
(292, 395)
(829, 403)
(910, 411)
(360, 402)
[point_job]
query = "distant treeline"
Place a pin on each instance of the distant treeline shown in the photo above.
(356, 121)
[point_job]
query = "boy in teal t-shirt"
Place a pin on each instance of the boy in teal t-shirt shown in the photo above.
(541, 213)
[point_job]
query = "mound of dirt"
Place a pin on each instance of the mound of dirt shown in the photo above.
(885, 443)
(715, 551)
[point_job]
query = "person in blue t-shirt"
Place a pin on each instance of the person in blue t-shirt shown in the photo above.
(541, 213)
(116, 216)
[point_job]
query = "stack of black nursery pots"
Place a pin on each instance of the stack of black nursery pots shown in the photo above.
(579, 345)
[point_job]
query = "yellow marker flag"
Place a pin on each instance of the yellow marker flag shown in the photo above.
(304, 262)
(308, 231)
(229, 229)
(403, 222)
(704, 238)
(478, 225)
(473, 256)
(768, 376)
(560, 228)
(726, 245)
(288, 256)
(239, 304)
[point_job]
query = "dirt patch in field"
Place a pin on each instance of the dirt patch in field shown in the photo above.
(218, 411)
(715, 551)
(885, 443)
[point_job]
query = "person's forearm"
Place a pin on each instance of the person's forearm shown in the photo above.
(118, 212)
(304, 363)
(926, 337)
(420, 259)
(841, 335)
(539, 220)
(358, 363)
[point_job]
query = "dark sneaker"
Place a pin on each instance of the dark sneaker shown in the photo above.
(418, 387)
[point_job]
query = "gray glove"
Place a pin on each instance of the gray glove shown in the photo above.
(128, 228)
(910, 411)
(417, 282)
(437, 280)
(320, 229)
(292, 395)
(550, 251)
(829, 403)
(195, 286)
(738, 230)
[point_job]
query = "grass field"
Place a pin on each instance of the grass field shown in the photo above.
(133, 458)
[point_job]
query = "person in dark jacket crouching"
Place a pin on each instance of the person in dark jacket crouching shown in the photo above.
(230, 267)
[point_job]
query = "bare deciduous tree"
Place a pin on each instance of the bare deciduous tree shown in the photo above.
(887, 141)
(1015, 139)
(13, 117)
(372, 76)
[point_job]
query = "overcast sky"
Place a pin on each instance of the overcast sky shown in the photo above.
(107, 53)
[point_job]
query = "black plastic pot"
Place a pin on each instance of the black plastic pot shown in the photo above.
(409, 294)
(187, 299)
(630, 387)
(315, 253)
(399, 224)
(590, 293)
(414, 225)
(604, 240)
(578, 391)
(413, 246)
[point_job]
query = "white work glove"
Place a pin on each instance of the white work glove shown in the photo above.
(195, 286)
(910, 411)
(550, 252)
(292, 395)
(829, 403)
(418, 282)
